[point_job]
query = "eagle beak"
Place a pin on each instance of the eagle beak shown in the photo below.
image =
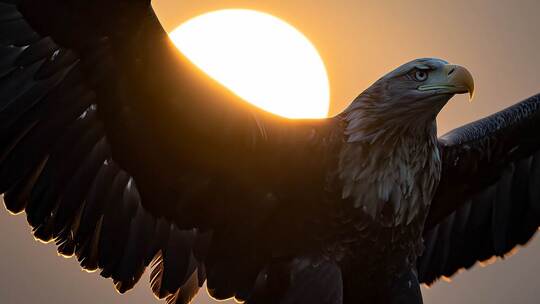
(455, 80)
(461, 79)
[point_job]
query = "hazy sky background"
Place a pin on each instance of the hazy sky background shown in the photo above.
(498, 41)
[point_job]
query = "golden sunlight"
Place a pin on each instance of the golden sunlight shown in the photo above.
(259, 57)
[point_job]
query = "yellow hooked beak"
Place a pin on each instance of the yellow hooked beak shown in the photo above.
(453, 79)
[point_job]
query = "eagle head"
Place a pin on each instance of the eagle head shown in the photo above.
(409, 97)
(423, 81)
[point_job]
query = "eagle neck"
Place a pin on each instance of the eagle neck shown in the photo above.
(389, 168)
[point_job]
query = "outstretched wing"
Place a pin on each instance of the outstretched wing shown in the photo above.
(121, 151)
(488, 201)
(56, 165)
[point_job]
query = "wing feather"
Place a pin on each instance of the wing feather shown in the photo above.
(56, 164)
(121, 166)
(488, 195)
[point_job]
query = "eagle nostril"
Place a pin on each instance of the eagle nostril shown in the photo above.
(451, 71)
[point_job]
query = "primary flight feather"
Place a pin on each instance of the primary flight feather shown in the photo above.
(125, 155)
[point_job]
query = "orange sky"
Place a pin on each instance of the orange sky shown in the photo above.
(363, 40)
(498, 41)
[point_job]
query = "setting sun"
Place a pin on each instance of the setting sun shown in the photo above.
(259, 57)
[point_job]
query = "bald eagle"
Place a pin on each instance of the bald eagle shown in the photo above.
(125, 155)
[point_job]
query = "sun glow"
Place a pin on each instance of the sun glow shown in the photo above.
(259, 57)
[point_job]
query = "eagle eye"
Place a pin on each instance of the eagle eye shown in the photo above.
(420, 75)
